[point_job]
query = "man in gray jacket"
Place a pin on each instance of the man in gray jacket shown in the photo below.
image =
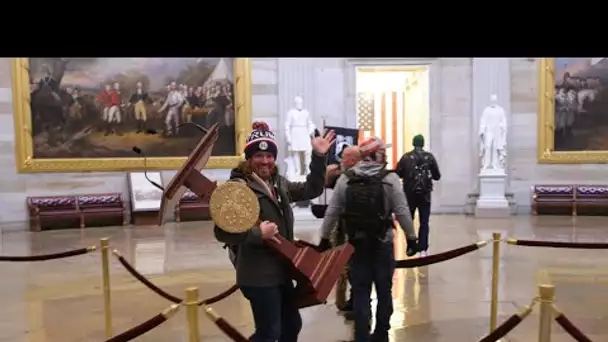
(366, 197)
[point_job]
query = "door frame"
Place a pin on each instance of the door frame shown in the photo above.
(434, 90)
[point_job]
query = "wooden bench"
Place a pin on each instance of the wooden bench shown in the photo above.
(102, 206)
(553, 199)
(591, 199)
(191, 207)
(55, 209)
(71, 211)
(569, 199)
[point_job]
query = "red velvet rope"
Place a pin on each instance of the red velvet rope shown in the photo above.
(230, 330)
(560, 244)
(139, 330)
(43, 257)
(165, 294)
(435, 258)
(503, 329)
(571, 329)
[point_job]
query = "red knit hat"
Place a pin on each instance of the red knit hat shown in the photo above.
(260, 139)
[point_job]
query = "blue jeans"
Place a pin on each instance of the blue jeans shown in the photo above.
(423, 204)
(372, 263)
(275, 314)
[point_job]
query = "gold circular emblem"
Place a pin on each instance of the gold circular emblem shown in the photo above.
(234, 207)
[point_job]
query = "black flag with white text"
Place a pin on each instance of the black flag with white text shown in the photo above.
(345, 137)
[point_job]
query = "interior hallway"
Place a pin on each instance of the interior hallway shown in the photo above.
(60, 300)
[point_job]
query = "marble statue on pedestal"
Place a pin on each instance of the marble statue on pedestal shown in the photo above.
(298, 130)
(493, 152)
(493, 137)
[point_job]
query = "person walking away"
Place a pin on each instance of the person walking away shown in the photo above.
(418, 169)
(349, 156)
(366, 196)
(264, 276)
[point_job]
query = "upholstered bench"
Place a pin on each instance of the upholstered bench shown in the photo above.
(553, 199)
(591, 199)
(55, 209)
(102, 206)
(190, 206)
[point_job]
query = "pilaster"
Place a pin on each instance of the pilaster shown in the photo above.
(490, 76)
(295, 78)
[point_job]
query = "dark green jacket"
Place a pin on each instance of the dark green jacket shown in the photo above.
(257, 264)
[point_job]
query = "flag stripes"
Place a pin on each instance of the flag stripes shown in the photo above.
(381, 114)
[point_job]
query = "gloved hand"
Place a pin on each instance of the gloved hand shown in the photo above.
(412, 247)
(324, 245)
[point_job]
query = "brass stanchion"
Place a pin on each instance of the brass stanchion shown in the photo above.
(191, 302)
(107, 299)
(547, 297)
(495, 272)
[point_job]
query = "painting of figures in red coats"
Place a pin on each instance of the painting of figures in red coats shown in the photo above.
(102, 107)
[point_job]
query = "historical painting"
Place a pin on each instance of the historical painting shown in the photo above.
(573, 110)
(88, 114)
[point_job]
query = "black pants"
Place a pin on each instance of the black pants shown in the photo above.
(372, 263)
(422, 202)
(275, 313)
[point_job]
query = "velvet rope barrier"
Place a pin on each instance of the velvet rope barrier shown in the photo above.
(146, 326)
(508, 325)
(164, 293)
(557, 244)
(435, 258)
(569, 327)
(44, 257)
(224, 326)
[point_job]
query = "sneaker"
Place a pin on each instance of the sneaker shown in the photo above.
(423, 254)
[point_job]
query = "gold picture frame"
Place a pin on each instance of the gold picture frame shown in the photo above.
(26, 163)
(546, 123)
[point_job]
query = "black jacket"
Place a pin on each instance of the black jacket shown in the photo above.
(408, 161)
(256, 263)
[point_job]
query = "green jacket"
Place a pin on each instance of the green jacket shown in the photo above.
(257, 264)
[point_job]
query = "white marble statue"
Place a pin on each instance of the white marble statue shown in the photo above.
(493, 137)
(298, 129)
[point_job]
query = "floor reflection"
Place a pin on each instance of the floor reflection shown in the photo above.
(60, 300)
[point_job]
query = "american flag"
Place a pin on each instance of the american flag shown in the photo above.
(381, 114)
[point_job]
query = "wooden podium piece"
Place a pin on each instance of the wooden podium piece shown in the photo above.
(316, 273)
(234, 208)
(190, 176)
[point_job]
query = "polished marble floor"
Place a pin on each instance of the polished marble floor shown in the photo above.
(61, 300)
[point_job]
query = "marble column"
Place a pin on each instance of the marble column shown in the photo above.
(295, 78)
(490, 76)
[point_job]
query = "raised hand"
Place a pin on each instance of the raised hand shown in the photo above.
(322, 144)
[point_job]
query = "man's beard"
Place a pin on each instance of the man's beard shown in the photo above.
(269, 171)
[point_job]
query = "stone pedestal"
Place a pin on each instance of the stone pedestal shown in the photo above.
(492, 201)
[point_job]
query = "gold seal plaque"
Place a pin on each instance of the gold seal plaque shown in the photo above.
(234, 207)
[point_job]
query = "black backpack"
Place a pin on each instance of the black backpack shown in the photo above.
(365, 210)
(419, 180)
